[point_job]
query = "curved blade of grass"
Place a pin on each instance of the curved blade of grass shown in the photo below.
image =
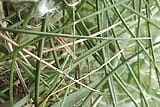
(101, 19)
(130, 69)
(158, 4)
(140, 15)
(117, 77)
(151, 51)
(97, 57)
(115, 70)
(88, 53)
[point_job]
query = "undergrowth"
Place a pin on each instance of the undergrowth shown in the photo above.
(79, 53)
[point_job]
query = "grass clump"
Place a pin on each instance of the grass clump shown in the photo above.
(79, 53)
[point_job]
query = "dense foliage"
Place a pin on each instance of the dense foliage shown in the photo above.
(80, 53)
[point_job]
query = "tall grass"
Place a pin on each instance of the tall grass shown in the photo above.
(92, 53)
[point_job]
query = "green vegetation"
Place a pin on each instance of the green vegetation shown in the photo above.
(80, 53)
